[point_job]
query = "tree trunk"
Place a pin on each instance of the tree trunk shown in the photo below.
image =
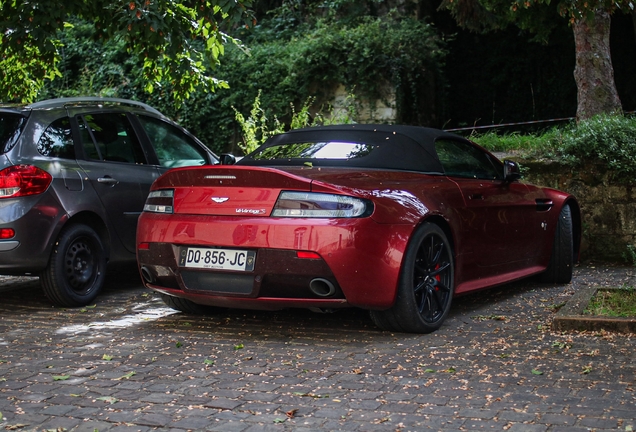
(593, 73)
(634, 21)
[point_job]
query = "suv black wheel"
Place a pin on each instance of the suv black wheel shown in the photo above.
(76, 270)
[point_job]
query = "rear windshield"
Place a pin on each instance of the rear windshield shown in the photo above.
(10, 128)
(316, 150)
(377, 152)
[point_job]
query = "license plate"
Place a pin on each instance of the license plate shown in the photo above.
(220, 259)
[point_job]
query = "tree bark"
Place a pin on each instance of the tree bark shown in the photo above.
(594, 73)
(634, 21)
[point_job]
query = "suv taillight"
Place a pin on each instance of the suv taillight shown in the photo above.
(22, 180)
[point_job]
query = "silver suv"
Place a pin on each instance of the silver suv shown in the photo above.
(74, 176)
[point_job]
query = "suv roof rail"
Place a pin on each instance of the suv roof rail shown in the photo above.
(88, 100)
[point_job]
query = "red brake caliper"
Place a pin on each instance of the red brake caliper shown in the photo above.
(437, 276)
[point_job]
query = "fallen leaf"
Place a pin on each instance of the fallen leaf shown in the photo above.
(61, 377)
(382, 420)
(291, 413)
(107, 357)
(238, 347)
(208, 362)
(127, 376)
(536, 372)
(109, 399)
(16, 426)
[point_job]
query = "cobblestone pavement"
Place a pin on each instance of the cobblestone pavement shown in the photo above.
(130, 363)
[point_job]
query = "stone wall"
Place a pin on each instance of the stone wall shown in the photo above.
(608, 209)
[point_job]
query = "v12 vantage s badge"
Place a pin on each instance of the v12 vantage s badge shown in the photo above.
(251, 211)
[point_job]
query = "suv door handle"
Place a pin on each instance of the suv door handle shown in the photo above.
(108, 180)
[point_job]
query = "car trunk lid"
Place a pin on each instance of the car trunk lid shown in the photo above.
(228, 190)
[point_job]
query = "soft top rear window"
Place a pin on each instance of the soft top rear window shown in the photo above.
(10, 129)
(334, 147)
(315, 150)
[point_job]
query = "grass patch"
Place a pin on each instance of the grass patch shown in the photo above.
(524, 144)
(617, 302)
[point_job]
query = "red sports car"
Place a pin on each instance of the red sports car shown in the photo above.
(393, 219)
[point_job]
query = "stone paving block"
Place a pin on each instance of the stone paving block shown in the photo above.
(517, 417)
(223, 403)
(92, 426)
(153, 419)
(364, 404)
(560, 428)
(127, 428)
(598, 423)
(559, 419)
(57, 410)
(59, 423)
(230, 426)
(122, 416)
(192, 423)
(524, 427)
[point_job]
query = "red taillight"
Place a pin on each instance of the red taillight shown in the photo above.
(143, 246)
(307, 255)
(22, 180)
(6, 233)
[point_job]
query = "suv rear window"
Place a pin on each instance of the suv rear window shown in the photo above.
(10, 129)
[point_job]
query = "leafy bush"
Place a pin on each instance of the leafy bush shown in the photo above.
(255, 128)
(608, 139)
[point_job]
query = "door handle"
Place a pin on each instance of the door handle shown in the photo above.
(476, 197)
(108, 180)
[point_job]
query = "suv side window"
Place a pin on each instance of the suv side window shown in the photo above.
(110, 137)
(57, 140)
(460, 159)
(173, 147)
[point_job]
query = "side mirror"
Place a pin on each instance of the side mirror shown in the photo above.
(227, 159)
(511, 170)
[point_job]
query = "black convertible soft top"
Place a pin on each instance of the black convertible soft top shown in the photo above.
(410, 148)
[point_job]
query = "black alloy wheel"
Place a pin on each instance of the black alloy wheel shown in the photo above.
(426, 286)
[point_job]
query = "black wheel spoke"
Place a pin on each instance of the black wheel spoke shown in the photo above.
(442, 287)
(440, 303)
(419, 287)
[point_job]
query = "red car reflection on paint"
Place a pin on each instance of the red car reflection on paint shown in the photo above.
(393, 219)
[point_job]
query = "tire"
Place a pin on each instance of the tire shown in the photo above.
(186, 306)
(76, 270)
(562, 260)
(426, 286)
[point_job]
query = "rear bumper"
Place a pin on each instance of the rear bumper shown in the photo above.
(35, 220)
(358, 257)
